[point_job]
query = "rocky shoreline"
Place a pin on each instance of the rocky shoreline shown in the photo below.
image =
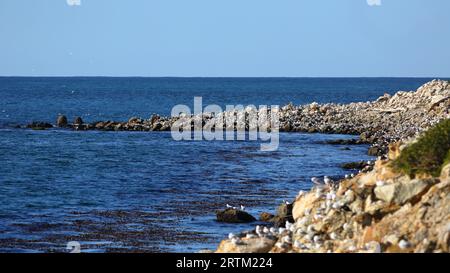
(400, 204)
(380, 122)
(381, 209)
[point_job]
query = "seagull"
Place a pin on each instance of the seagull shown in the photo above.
(316, 239)
(286, 202)
(331, 196)
(333, 236)
(235, 241)
(259, 230)
(231, 236)
(297, 244)
(403, 244)
(318, 216)
(242, 208)
(346, 226)
(310, 229)
(287, 239)
(316, 181)
(229, 207)
(327, 181)
(288, 224)
(281, 245)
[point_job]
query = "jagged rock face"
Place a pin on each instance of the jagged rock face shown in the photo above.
(425, 226)
(402, 192)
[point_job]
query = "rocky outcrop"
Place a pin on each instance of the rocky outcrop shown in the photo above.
(379, 122)
(231, 215)
(39, 125)
(383, 210)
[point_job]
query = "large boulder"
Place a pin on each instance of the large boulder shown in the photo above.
(78, 121)
(403, 192)
(230, 215)
(284, 214)
(61, 121)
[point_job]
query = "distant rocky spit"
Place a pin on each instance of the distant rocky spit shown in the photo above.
(381, 209)
(380, 122)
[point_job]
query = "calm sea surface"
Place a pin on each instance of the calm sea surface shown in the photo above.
(136, 191)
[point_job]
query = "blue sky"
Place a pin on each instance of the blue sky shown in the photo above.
(304, 38)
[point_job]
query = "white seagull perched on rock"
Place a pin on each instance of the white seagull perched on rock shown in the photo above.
(316, 181)
(259, 230)
(327, 181)
(242, 208)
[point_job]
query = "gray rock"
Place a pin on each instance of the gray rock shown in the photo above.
(403, 192)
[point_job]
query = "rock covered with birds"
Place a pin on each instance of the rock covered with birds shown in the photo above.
(384, 210)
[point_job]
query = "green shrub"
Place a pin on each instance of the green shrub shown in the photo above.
(429, 154)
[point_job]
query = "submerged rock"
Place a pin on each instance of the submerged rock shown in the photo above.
(354, 165)
(266, 217)
(37, 125)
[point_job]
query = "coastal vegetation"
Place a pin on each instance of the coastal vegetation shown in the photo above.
(428, 154)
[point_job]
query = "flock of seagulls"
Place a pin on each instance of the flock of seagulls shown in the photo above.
(326, 181)
(271, 232)
(301, 228)
(285, 232)
(241, 207)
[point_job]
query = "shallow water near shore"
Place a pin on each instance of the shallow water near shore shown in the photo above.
(136, 191)
(129, 192)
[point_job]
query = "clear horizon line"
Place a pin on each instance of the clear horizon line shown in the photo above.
(298, 77)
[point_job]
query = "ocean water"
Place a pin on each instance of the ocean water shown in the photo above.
(143, 191)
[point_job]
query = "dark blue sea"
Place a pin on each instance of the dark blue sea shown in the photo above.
(143, 191)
